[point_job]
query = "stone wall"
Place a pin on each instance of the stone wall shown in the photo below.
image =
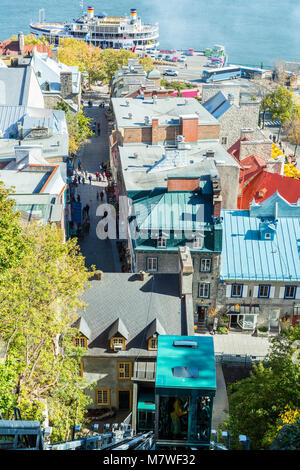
(235, 119)
(210, 90)
(257, 147)
(229, 183)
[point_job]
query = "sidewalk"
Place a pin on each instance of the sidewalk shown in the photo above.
(101, 253)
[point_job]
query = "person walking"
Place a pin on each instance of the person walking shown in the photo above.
(97, 175)
(101, 195)
(97, 196)
(83, 180)
(87, 208)
(79, 165)
(85, 173)
(98, 127)
(79, 179)
(90, 178)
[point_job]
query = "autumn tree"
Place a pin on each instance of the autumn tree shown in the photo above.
(40, 298)
(259, 401)
(281, 106)
(292, 130)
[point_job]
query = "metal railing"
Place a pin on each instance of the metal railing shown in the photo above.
(245, 360)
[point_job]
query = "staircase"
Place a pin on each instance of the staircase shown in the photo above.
(201, 328)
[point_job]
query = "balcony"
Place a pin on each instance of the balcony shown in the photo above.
(144, 371)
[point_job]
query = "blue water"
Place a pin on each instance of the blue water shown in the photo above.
(253, 31)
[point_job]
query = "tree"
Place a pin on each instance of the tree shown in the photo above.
(78, 127)
(281, 106)
(86, 57)
(147, 63)
(12, 243)
(292, 130)
(39, 298)
(256, 403)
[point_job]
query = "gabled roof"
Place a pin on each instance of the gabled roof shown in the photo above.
(265, 184)
(83, 327)
(250, 166)
(118, 327)
(155, 328)
(235, 149)
(218, 105)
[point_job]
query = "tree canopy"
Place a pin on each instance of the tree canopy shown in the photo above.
(78, 127)
(39, 298)
(257, 403)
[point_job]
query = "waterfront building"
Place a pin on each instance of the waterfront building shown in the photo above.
(102, 31)
(30, 125)
(232, 117)
(120, 334)
(260, 266)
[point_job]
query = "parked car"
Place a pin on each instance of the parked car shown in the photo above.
(182, 58)
(170, 72)
(168, 57)
(152, 56)
(160, 57)
(174, 59)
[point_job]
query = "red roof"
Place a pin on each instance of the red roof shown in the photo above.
(250, 166)
(264, 184)
(11, 48)
(235, 149)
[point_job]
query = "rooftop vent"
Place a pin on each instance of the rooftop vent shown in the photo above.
(147, 119)
(185, 344)
(210, 154)
(186, 372)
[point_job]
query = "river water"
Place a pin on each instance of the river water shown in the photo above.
(253, 31)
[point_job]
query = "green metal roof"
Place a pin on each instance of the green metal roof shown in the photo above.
(198, 361)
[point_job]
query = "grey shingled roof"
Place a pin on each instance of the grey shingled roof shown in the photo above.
(137, 304)
(118, 328)
(155, 327)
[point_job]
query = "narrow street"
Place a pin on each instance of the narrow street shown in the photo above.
(101, 253)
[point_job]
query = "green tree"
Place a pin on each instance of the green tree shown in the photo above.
(292, 130)
(78, 127)
(39, 298)
(256, 403)
(281, 106)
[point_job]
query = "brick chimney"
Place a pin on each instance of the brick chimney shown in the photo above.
(155, 131)
(183, 184)
(66, 84)
(247, 134)
(217, 198)
(189, 127)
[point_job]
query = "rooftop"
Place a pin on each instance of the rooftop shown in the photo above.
(138, 159)
(137, 305)
(166, 110)
(195, 357)
(246, 256)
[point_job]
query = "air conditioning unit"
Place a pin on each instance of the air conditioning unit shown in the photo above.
(118, 347)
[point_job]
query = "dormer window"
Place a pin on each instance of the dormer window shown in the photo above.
(80, 341)
(152, 343)
(161, 242)
(117, 336)
(117, 344)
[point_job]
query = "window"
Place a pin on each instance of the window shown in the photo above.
(117, 341)
(205, 265)
(290, 292)
(151, 264)
(236, 290)
(161, 242)
(267, 236)
(124, 370)
(264, 290)
(152, 344)
(204, 290)
(102, 396)
(80, 342)
(198, 242)
(224, 141)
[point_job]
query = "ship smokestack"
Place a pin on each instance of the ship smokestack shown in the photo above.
(90, 12)
(133, 15)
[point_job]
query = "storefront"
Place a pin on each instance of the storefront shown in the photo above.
(243, 316)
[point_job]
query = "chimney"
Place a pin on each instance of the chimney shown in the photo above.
(21, 42)
(210, 154)
(66, 84)
(20, 130)
(186, 270)
(217, 198)
(155, 131)
(189, 127)
(142, 275)
(247, 134)
(99, 275)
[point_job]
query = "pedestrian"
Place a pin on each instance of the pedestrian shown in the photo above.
(88, 224)
(186, 66)
(85, 173)
(90, 178)
(97, 196)
(103, 176)
(87, 208)
(101, 195)
(83, 180)
(97, 175)
(100, 167)
(79, 165)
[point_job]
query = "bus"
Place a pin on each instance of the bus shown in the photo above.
(223, 73)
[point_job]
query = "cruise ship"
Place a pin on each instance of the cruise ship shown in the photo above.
(102, 31)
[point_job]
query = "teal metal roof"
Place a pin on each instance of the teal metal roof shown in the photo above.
(245, 256)
(198, 362)
(174, 211)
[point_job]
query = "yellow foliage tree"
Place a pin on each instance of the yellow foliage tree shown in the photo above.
(289, 416)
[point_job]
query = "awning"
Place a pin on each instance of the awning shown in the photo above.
(146, 401)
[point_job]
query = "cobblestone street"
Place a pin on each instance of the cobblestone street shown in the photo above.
(101, 253)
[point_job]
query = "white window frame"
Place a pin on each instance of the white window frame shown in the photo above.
(203, 286)
(150, 260)
(161, 242)
(205, 261)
